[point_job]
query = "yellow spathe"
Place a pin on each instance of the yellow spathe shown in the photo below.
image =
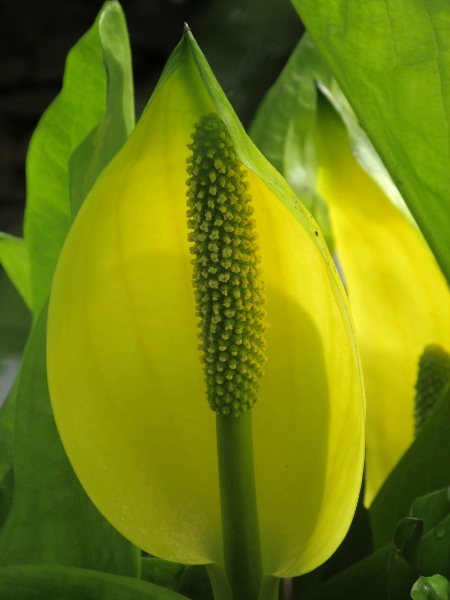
(125, 377)
(398, 296)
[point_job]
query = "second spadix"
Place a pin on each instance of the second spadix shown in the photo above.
(126, 378)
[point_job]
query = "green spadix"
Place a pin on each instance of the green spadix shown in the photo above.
(229, 291)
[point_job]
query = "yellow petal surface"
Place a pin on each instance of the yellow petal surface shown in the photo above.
(398, 296)
(126, 381)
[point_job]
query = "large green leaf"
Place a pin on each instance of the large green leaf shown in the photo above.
(51, 582)
(392, 61)
(424, 468)
(51, 519)
(106, 139)
(79, 108)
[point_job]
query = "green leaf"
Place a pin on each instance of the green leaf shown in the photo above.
(51, 518)
(402, 569)
(75, 112)
(15, 261)
(431, 588)
(366, 579)
(431, 509)
(189, 580)
(434, 548)
(52, 582)
(422, 469)
(392, 62)
(105, 140)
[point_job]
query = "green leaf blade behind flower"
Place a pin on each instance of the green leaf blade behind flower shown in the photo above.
(52, 582)
(106, 139)
(92, 115)
(396, 79)
(71, 116)
(51, 519)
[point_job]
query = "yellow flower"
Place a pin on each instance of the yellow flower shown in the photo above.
(125, 373)
(398, 296)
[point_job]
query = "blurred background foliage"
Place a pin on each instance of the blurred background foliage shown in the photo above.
(246, 42)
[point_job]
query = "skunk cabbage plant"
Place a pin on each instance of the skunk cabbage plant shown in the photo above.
(193, 273)
(398, 295)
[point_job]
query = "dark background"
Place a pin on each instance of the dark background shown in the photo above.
(246, 42)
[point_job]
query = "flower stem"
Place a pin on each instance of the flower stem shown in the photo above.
(240, 527)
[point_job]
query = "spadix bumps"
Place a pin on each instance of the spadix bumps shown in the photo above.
(229, 292)
(126, 375)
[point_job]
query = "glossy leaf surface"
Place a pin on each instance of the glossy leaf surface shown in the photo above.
(431, 588)
(59, 133)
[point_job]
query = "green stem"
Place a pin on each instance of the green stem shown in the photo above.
(240, 527)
